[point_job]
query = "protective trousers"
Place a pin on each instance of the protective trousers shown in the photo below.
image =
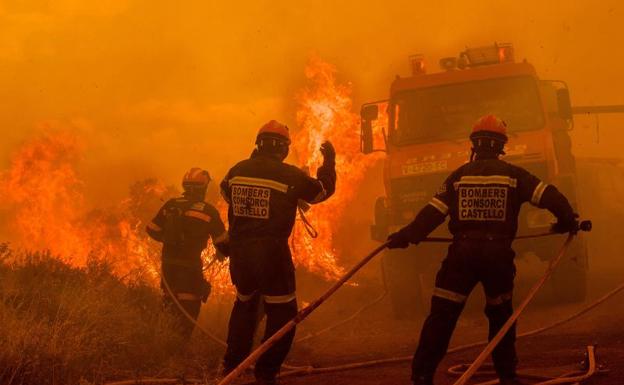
(263, 272)
(188, 285)
(467, 263)
(190, 305)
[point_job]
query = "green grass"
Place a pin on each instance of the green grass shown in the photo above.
(65, 325)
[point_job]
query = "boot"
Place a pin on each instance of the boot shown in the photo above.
(422, 380)
(512, 381)
(222, 372)
(264, 381)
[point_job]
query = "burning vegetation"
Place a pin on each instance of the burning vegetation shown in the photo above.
(325, 112)
(47, 208)
(60, 243)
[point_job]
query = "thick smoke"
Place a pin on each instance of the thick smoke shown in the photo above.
(158, 87)
(153, 88)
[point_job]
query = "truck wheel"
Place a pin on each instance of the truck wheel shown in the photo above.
(401, 273)
(569, 281)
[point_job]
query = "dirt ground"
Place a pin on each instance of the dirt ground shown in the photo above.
(376, 335)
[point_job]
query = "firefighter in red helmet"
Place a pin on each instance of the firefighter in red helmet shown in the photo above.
(482, 198)
(262, 193)
(184, 225)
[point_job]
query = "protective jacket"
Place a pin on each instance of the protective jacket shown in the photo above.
(483, 200)
(184, 226)
(263, 193)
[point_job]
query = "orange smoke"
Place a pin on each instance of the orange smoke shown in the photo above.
(42, 187)
(48, 210)
(325, 112)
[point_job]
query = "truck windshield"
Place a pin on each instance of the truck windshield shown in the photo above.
(447, 112)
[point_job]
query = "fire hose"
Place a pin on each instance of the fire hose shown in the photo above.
(305, 312)
(364, 364)
(391, 360)
(566, 378)
(573, 377)
(585, 226)
(175, 300)
(309, 228)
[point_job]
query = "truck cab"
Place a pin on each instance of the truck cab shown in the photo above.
(428, 118)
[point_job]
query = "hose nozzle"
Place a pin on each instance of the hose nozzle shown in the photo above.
(585, 225)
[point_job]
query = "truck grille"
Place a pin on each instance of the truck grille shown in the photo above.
(408, 195)
(537, 169)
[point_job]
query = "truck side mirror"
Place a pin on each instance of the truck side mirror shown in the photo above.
(366, 136)
(564, 104)
(368, 113)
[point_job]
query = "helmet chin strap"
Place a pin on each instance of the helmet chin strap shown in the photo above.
(481, 150)
(196, 193)
(272, 147)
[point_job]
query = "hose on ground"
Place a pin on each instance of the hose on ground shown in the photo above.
(401, 359)
(352, 316)
(491, 345)
(391, 360)
(173, 297)
(573, 377)
(206, 332)
(305, 312)
(300, 317)
(313, 233)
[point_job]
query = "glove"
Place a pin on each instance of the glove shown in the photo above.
(223, 251)
(563, 226)
(398, 240)
(206, 289)
(328, 151)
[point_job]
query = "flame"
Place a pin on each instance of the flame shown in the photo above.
(48, 211)
(325, 112)
(44, 190)
(45, 206)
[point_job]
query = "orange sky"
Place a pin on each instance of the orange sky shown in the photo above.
(158, 86)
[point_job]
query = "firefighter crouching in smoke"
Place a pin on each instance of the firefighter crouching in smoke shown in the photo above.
(262, 193)
(184, 226)
(482, 198)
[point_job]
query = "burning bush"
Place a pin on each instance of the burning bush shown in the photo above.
(325, 112)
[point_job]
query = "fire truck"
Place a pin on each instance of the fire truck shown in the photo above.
(425, 136)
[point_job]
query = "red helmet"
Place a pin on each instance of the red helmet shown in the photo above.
(489, 124)
(196, 177)
(489, 134)
(275, 130)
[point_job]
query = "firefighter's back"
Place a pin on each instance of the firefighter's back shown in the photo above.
(484, 198)
(185, 229)
(264, 193)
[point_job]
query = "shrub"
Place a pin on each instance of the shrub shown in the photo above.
(61, 324)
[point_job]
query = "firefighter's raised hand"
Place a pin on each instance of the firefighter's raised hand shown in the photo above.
(222, 251)
(206, 289)
(398, 240)
(328, 151)
(570, 225)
